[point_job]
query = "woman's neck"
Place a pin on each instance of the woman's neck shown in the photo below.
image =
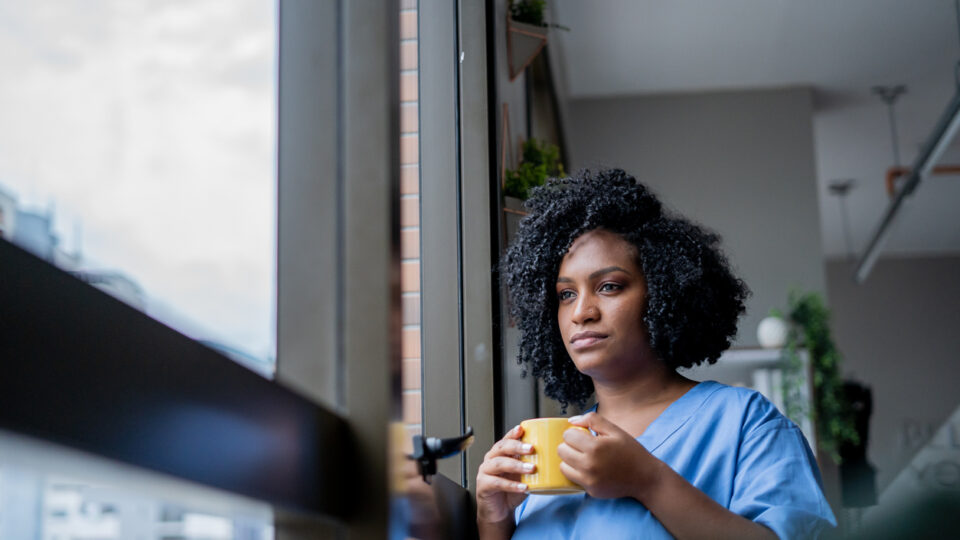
(635, 402)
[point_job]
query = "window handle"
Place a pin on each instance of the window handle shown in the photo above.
(427, 450)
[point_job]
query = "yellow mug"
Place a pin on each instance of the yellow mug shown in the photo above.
(546, 434)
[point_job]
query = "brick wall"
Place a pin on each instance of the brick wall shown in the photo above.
(410, 214)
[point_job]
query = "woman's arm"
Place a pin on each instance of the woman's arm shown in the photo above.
(496, 531)
(613, 464)
(687, 512)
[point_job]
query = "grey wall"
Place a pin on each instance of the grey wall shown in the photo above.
(741, 163)
(898, 333)
(511, 93)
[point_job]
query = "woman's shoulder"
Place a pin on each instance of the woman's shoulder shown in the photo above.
(751, 409)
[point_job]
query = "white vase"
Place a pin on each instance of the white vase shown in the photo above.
(772, 333)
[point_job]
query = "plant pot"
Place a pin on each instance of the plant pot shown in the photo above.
(524, 43)
(513, 205)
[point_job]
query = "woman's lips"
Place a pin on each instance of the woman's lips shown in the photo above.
(585, 340)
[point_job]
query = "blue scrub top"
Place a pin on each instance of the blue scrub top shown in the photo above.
(732, 444)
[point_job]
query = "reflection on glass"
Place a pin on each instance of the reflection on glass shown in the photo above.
(138, 152)
(65, 508)
(50, 493)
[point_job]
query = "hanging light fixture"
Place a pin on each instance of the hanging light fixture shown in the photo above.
(840, 189)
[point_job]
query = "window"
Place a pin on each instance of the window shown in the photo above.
(95, 374)
(138, 152)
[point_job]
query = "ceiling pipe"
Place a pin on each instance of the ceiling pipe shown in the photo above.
(896, 172)
(929, 154)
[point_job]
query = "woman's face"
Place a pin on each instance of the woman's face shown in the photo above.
(602, 294)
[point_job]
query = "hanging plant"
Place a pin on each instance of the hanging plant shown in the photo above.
(532, 12)
(810, 330)
(540, 160)
(527, 29)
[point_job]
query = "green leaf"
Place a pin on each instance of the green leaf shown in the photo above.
(539, 162)
(833, 415)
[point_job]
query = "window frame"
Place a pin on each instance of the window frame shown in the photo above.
(458, 231)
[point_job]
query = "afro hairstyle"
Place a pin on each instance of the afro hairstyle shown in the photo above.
(693, 298)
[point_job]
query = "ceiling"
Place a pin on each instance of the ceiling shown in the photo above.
(839, 48)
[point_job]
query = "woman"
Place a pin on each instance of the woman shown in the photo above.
(612, 294)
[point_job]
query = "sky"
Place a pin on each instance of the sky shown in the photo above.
(149, 130)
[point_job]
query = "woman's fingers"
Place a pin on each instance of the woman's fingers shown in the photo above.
(579, 439)
(572, 474)
(487, 484)
(571, 456)
(509, 447)
(596, 422)
(501, 474)
(499, 490)
(501, 465)
(501, 470)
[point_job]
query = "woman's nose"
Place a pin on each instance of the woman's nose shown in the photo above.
(585, 310)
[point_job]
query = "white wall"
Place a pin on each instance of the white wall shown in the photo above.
(741, 163)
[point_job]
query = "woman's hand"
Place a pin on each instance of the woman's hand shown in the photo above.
(610, 465)
(499, 490)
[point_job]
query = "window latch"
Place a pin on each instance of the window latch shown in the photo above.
(427, 450)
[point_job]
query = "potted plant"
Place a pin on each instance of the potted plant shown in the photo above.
(539, 161)
(809, 329)
(526, 33)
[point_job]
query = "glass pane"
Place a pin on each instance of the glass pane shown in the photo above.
(138, 152)
(51, 493)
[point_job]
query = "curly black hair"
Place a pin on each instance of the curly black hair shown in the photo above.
(693, 297)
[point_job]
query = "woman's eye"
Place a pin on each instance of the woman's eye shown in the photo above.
(565, 295)
(610, 287)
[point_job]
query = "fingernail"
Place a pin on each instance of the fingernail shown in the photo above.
(515, 429)
(528, 467)
(575, 418)
(522, 487)
(526, 447)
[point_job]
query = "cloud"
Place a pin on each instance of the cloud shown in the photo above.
(153, 124)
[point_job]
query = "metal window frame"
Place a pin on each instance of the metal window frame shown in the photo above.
(479, 203)
(459, 297)
(440, 276)
(339, 311)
